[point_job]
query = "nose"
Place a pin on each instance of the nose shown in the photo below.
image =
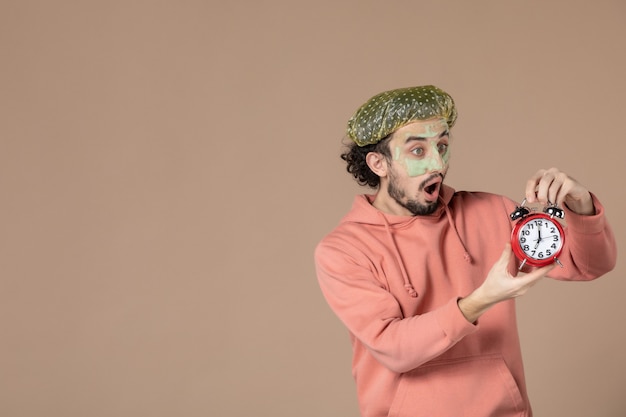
(437, 162)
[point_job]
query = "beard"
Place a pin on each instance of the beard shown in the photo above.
(415, 207)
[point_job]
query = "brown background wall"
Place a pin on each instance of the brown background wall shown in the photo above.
(167, 168)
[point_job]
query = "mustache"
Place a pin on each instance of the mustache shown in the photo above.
(429, 179)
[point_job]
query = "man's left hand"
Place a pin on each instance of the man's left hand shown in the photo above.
(553, 186)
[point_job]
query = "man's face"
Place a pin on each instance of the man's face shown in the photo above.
(417, 167)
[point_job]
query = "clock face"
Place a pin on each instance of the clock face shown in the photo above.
(538, 239)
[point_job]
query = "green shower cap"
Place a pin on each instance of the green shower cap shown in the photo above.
(386, 112)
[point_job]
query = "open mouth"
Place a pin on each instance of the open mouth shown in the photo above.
(431, 188)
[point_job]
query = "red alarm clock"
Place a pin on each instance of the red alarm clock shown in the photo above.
(537, 238)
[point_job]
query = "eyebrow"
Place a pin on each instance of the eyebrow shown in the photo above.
(423, 138)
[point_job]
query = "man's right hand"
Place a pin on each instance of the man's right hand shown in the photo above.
(500, 285)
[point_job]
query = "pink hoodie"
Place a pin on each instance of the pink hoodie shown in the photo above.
(394, 281)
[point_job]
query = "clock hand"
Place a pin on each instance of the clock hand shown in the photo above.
(538, 235)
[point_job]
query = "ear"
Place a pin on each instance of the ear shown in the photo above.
(377, 163)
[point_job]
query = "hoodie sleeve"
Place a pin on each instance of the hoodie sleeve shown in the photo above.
(374, 317)
(590, 249)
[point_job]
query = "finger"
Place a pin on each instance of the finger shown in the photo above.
(569, 188)
(550, 186)
(537, 274)
(512, 265)
(524, 284)
(506, 252)
(531, 186)
(544, 270)
(559, 189)
(562, 195)
(543, 186)
(505, 257)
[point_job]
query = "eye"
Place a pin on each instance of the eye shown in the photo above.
(417, 151)
(442, 148)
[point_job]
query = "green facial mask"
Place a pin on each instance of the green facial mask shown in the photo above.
(433, 162)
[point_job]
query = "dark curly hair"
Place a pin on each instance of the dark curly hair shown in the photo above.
(356, 164)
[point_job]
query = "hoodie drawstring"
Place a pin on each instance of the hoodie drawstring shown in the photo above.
(405, 276)
(466, 254)
(407, 283)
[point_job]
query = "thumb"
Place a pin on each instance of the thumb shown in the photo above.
(506, 253)
(506, 260)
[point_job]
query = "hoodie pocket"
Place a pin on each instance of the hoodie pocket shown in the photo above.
(479, 386)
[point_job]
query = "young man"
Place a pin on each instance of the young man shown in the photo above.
(423, 276)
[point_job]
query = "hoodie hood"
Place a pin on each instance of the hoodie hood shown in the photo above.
(363, 212)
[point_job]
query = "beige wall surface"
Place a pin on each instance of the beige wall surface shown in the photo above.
(167, 168)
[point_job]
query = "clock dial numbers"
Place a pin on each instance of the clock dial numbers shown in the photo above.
(537, 239)
(540, 239)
